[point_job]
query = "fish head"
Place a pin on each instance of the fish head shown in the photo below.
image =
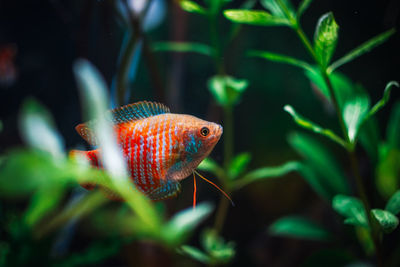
(198, 138)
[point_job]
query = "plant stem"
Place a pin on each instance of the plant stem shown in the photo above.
(350, 148)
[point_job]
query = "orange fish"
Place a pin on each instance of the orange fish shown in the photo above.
(160, 148)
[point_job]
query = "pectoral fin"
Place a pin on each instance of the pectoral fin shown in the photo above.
(166, 190)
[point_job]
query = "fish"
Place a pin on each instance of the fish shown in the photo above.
(160, 148)
(8, 70)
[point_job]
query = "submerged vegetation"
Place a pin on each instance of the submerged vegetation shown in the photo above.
(42, 205)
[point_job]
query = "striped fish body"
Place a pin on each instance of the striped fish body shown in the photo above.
(160, 148)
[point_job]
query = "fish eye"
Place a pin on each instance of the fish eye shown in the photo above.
(204, 131)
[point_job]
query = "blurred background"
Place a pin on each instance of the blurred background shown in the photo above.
(40, 40)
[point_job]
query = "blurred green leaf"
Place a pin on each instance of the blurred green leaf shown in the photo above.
(226, 89)
(365, 238)
(316, 183)
(280, 58)
(299, 227)
(386, 220)
(239, 164)
(325, 38)
(195, 253)
(192, 7)
(281, 9)
(266, 172)
(303, 7)
(387, 171)
(254, 17)
(393, 128)
(352, 209)
(209, 165)
(305, 123)
(362, 49)
(183, 47)
(355, 112)
(182, 223)
(321, 161)
(38, 131)
(393, 205)
(343, 86)
(381, 103)
(216, 5)
(370, 139)
(220, 252)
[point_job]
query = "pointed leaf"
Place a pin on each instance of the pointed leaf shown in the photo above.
(393, 128)
(303, 7)
(362, 49)
(393, 205)
(254, 17)
(195, 253)
(352, 209)
(322, 162)
(239, 164)
(386, 220)
(299, 227)
(280, 58)
(325, 38)
(305, 123)
(183, 47)
(266, 172)
(386, 95)
(192, 7)
(354, 113)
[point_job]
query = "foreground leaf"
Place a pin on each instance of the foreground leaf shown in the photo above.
(299, 227)
(386, 220)
(266, 172)
(352, 209)
(221, 252)
(195, 253)
(325, 38)
(305, 123)
(280, 58)
(254, 17)
(393, 205)
(183, 47)
(362, 49)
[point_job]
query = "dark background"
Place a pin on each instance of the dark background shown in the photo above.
(51, 35)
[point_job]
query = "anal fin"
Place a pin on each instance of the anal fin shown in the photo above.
(166, 190)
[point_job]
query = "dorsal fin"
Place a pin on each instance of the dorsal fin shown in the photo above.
(131, 112)
(137, 111)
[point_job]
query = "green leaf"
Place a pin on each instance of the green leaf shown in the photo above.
(184, 47)
(280, 58)
(386, 220)
(325, 38)
(38, 130)
(195, 253)
(221, 252)
(184, 222)
(303, 7)
(393, 205)
(305, 123)
(352, 209)
(192, 7)
(387, 171)
(266, 172)
(254, 17)
(381, 103)
(316, 183)
(393, 128)
(355, 111)
(369, 138)
(226, 89)
(331, 175)
(239, 164)
(281, 9)
(362, 49)
(209, 165)
(299, 227)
